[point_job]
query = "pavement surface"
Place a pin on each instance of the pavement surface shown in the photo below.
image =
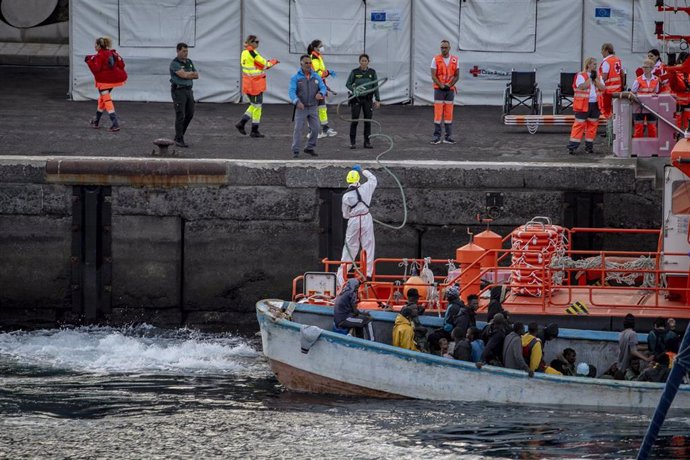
(38, 119)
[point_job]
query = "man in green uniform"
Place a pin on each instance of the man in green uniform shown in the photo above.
(182, 74)
(361, 76)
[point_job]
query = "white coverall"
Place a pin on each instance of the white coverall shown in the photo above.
(360, 225)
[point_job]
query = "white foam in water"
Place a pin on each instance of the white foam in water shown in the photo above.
(128, 350)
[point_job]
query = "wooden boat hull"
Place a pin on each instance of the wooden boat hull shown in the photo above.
(340, 364)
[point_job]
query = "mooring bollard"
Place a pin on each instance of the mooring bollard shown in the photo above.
(162, 144)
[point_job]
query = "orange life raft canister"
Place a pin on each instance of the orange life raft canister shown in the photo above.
(534, 245)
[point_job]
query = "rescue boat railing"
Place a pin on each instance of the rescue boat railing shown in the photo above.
(388, 287)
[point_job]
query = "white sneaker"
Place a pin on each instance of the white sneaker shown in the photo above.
(322, 135)
(331, 132)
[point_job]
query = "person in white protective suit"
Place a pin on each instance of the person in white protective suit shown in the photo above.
(360, 224)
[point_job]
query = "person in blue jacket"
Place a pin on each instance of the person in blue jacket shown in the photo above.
(305, 92)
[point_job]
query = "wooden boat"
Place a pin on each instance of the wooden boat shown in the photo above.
(345, 365)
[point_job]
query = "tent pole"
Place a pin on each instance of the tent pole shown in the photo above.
(242, 32)
(411, 84)
(582, 34)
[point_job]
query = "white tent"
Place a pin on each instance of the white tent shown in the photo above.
(491, 37)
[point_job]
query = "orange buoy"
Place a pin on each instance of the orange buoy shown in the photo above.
(417, 283)
(469, 271)
(534, 245)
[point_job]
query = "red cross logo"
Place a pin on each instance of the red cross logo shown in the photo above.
(475, 71)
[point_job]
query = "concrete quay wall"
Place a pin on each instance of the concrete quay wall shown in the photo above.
(175, 242)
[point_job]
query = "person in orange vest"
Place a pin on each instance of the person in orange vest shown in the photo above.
(611, 71)
(647, 83)
(315, 51)
(659, 70)
(254, 68)
(587, 86)
(444, 73)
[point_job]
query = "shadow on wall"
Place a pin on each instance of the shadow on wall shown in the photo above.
(34, 21)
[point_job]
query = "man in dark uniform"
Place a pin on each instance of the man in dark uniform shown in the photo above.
(362, 75)
(182, 72)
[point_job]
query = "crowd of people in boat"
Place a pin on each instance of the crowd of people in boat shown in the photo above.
(509, 344)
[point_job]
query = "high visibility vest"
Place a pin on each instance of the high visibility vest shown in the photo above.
(319, 66)
(581, 98)
(445, 73)
(614, 82)
(253, 71)
(647, 87)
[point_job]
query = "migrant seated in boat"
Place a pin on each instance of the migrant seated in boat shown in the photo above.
(656, 338)
(633, 371)
(458, 316)
(346, 316)
(532, 351)
(512, 350)
(657, 371)
(564, 362)
(420, 332)
(627, 347)
(403, 331)
(497, 330)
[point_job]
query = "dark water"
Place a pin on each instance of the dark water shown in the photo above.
(146, 393)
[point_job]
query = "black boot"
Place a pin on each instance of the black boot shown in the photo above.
(115, 127)
(240, 125)
(255, 132)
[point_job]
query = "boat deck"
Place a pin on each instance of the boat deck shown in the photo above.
(609, 301)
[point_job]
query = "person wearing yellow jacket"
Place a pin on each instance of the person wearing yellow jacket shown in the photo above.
(254, 68)
(533, 352)
(403, 332)
(315, 51)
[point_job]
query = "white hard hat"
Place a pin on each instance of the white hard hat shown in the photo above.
(582, 369)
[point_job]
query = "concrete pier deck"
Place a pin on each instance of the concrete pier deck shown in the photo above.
(39, 119)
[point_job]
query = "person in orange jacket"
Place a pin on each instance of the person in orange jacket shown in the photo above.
(254, 68)
(587, 86)
(611, 71)
(445, 74)
(108, 69)
(647, 83)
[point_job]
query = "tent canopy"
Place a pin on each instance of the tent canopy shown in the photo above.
(491, 38)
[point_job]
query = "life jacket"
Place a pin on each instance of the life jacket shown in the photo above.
(319, 66)
(527, 353)
(614, 81)
(253, 71)
(445, 73)
(647, 87)
(581, 98)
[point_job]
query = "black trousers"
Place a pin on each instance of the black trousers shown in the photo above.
(183, 100)
(358, 105)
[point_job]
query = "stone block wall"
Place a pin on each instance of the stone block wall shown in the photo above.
(200, 249)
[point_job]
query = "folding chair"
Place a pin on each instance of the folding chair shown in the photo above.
(563, 97)
(524, 90)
